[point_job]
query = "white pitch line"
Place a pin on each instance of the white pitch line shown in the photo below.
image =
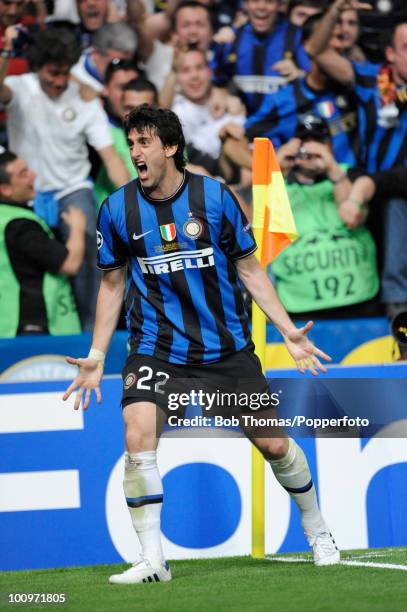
(345, 562)
(371, 564)
(289, 559)
(370, 555)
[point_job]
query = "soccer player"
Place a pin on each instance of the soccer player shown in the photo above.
(186, 245)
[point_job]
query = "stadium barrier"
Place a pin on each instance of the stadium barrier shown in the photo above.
(359, 341)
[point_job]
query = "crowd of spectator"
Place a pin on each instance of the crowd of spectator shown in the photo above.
(325, 81)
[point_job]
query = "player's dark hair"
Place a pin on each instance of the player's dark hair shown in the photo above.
(161, 121)
(189, 4)
(5, 159)
(54, 46)
(141, 84)
(119, 64)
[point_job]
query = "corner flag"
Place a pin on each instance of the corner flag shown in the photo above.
(274, 229)
(272, 210)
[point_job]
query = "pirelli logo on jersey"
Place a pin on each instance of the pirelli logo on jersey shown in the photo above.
(180, 260)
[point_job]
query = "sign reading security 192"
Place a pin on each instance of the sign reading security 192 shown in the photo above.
(180, 260)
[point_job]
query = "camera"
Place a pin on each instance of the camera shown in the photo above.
(302, 153)
(399, 332)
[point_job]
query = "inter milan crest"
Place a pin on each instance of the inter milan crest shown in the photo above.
(168, 232)
(341, 102)
(193, 228)
(129, 380)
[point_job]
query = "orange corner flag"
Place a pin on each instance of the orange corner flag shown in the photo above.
(272, 210)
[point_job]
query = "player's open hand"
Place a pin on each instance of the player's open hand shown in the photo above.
(90, 372)
(304, 352)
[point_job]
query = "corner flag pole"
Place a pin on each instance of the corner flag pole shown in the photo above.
(274, 229)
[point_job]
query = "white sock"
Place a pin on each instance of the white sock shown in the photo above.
(144, 495)
(293, 473)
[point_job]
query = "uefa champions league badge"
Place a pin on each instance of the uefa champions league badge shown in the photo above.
(99, 239)
(193, 228)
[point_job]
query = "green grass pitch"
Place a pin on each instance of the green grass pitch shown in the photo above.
(239, 584)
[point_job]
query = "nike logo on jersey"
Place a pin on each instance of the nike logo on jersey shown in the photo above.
(180, 260)
(137, 237)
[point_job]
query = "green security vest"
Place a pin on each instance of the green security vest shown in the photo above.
(329, 265)
(60, 306)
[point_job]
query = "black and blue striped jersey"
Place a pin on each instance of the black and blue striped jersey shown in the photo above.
(184, 301)
(384, 137)
(279, 115)
(248, 61)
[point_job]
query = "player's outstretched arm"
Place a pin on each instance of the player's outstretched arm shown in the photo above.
(90, 368)
(305, 354)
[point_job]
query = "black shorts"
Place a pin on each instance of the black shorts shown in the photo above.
(231, 386)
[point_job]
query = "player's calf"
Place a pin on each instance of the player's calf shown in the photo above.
(293, 473)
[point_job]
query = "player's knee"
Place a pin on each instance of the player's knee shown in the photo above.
(138, 440)
(273, 448)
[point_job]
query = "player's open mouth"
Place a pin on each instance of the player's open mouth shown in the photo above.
(142, 170)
